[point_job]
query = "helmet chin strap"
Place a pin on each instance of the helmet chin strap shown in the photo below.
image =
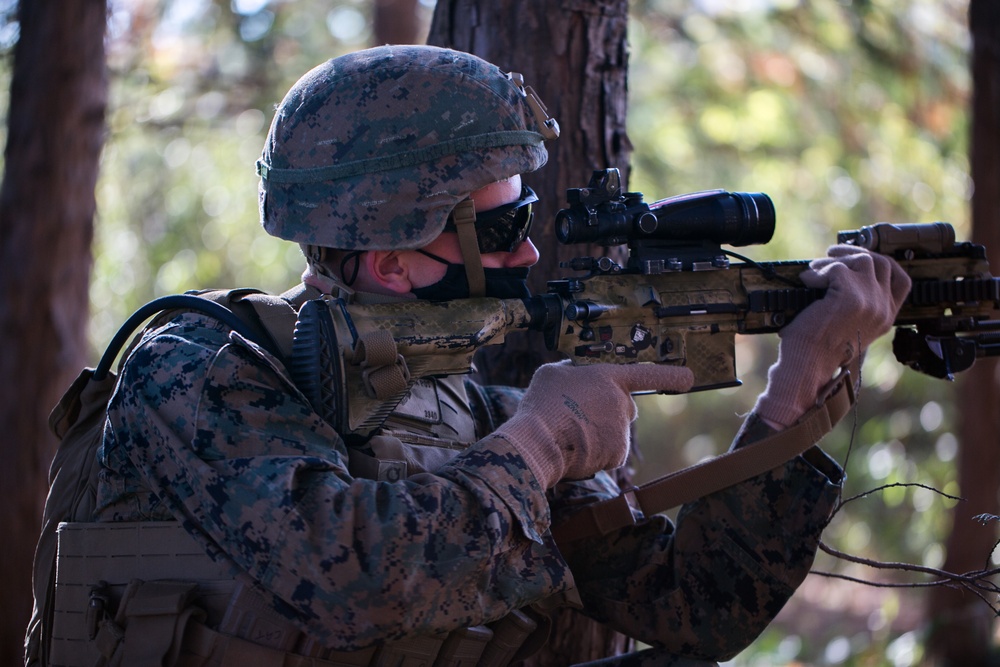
(464, 217)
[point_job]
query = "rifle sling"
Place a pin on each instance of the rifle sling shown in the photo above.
(713, 475)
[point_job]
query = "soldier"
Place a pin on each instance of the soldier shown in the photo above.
(398, 171)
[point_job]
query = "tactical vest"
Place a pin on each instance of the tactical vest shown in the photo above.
(145, 593)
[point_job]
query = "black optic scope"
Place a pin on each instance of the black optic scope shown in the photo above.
(602, 214)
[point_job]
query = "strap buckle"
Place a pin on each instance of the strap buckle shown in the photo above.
(98, 608)
(384, 372)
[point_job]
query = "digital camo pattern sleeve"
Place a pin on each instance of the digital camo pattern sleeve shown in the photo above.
(706, 587)
(204, 429)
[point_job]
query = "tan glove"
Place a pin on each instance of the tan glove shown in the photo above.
(864, 292)
(574, 420)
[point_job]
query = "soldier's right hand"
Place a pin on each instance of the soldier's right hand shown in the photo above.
(574, 420)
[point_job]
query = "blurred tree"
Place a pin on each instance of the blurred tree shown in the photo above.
(962, 632)
(576, 58)
(845, 113)
(55, 133)
(396, 22)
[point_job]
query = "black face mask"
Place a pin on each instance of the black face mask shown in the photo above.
(500, 283)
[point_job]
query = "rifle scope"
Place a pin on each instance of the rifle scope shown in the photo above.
(732, 218)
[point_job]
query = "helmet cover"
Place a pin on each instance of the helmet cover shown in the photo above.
(373, 150)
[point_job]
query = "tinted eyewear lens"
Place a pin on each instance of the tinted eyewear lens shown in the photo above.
(505, 227)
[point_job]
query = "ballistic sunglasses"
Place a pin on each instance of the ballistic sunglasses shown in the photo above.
(503, 228)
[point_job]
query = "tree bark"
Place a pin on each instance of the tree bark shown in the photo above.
(962, 624)
(395, 22)
(575, 56)
(576, 59)
(58, 97)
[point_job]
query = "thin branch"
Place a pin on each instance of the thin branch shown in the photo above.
(976, 582)
(884, 584)
(926, 584)
(907, 567)
(901, 484)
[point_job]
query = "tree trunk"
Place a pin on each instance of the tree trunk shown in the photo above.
(576, 59)
(55, 132)
(962, 623)
(395, 22)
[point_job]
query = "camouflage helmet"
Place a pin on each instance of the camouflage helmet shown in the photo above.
(373, 150)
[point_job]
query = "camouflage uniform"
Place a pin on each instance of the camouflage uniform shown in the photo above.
(208, 429)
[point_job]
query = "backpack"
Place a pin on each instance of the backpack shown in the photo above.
(78, 422)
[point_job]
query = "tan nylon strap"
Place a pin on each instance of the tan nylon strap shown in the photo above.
(464, 217)
(375, 348)
(278, 317)
(384, 371)
(299, 294)
(205, 647)
(219, 650)
(713, 475)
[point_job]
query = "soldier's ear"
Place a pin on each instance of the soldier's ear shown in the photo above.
(389, 269)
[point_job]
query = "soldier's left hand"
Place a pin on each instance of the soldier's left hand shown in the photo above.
(864, 292)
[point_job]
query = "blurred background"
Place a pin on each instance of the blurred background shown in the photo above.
(845, 113)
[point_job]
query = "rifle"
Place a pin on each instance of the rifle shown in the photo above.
(679, 299)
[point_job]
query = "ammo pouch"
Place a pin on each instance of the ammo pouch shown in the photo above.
(152, 615)
(110, 612)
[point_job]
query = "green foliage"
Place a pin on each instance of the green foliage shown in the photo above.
(194, 85)
(846, 113)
